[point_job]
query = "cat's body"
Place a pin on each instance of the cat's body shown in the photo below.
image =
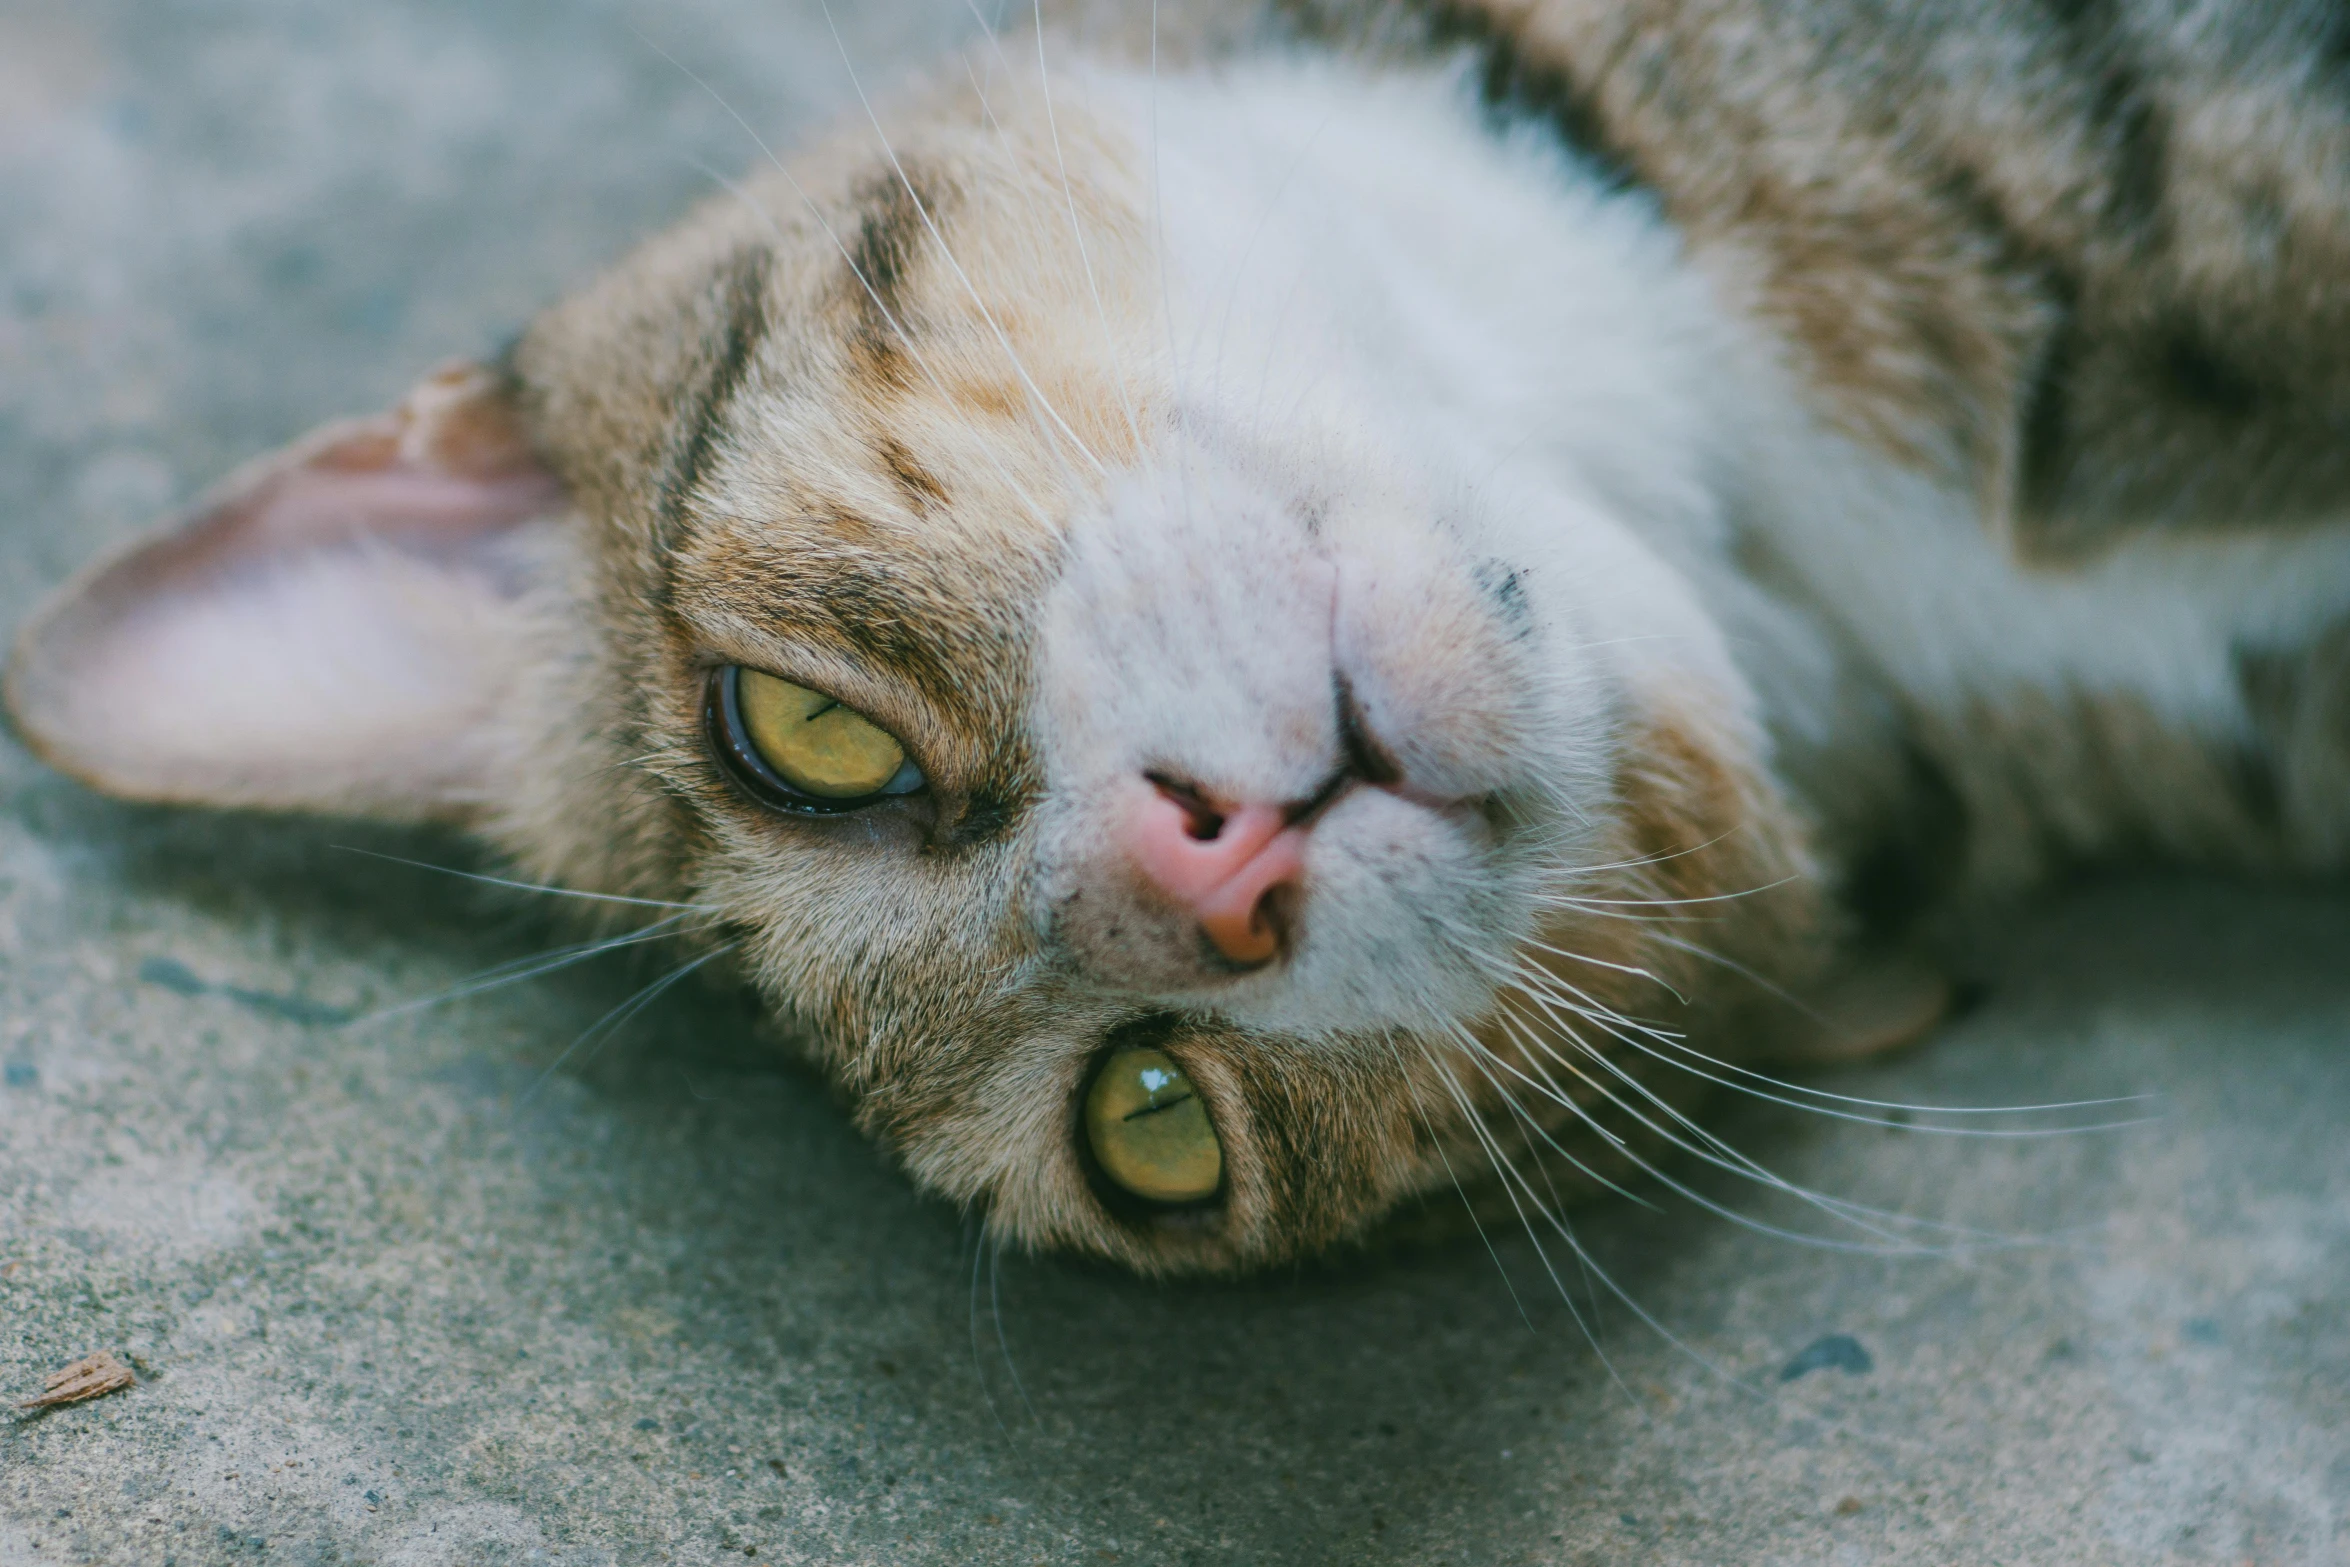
(1412, 622)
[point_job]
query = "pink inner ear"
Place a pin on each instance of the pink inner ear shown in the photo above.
(402, 506)
(445, 472)
(450, 463)
(331, 630)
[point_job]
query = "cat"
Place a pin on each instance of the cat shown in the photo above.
(1242, 614)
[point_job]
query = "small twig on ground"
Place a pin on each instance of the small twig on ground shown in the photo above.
(93, 1376)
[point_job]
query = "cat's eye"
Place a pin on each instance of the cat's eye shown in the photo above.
(802, 749)
(1149, 1130)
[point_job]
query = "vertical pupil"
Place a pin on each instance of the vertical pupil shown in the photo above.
(1149, 1131)
(812, 742)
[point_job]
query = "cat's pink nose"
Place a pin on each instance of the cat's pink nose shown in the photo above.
(1226, 864)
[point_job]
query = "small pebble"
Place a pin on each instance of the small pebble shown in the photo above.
(1836, 1351)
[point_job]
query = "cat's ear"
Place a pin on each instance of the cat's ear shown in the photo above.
(332, 629)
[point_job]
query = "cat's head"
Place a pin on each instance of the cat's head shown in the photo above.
(1185, 811)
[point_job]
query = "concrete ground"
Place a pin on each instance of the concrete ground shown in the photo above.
(401, 1290)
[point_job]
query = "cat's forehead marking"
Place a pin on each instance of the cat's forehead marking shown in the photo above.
(899, 210)
(739, 290)
(891, 430)
(922, 490)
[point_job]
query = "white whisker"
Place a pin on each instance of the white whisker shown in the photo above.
(1710, 1149)
(533, 968)
(978, 1235)
(613, 1021)
(1577, 901)
(1468, 1206)
(995, 1310)
(525, 886)
(930, 224)
(1511, 1181)
(1704, 1149)
(1549, 985)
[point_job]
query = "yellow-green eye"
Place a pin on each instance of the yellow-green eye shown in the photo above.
(1149, 1131)
(823, 754)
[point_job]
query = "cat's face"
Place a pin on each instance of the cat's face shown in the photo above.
(1183, 811)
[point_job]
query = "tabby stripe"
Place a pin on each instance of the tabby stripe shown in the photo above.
(2131, 127)
(741, 323)
(898, 210)
(1512, 82)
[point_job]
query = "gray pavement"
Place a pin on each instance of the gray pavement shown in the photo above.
(400, 1289)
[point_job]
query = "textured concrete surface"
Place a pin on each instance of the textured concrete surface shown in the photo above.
(402, 1289)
